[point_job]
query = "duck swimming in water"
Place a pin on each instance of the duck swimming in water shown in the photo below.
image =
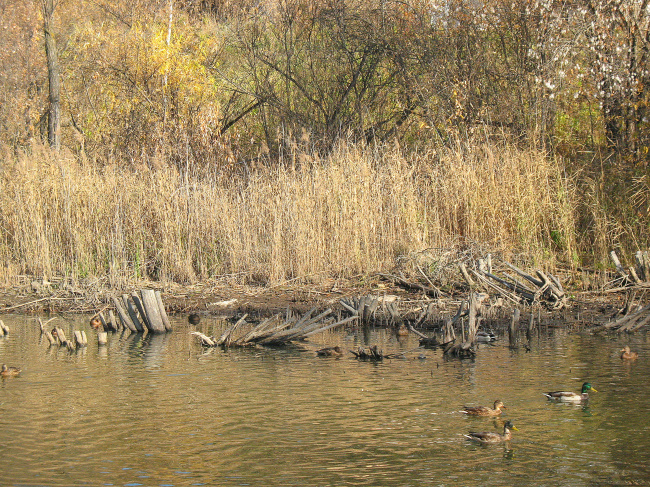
(9, 371)
(627, 354)
(484, 410)
(491, 437)
(330, 352)
(563, 396)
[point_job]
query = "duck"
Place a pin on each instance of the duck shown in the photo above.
(627, 354)
(571, 396)
(194, 319)
(9, 371)
(330, 352)
(484, 410)
(491, 437)
(485, 337)
(402, 330)
(96, 323)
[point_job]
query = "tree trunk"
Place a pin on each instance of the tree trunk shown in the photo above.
(54, 77)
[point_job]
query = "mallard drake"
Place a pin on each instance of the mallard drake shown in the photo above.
(9, 371)
(571, 396)
(193, 319)
(627, 354)
(484, 410)
(330, 352)
(485, 337)
(491, 437)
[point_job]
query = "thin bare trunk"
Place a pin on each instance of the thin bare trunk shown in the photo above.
(54, 77)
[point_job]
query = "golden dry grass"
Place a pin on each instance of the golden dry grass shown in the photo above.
(356, 211)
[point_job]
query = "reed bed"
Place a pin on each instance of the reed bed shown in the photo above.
(358, 210)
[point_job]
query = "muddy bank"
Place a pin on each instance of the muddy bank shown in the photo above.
(228, 299)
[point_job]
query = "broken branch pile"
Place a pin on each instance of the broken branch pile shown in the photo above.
(545, 288)
(637, 275)
(274, 330)
(628, 323)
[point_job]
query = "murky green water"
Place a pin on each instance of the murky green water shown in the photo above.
(159, 412)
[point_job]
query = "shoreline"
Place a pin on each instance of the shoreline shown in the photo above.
(229, 300)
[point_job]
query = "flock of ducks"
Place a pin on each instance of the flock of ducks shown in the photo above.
(508, 427)
(479, 436)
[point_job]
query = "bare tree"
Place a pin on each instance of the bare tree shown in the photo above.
(54, 76)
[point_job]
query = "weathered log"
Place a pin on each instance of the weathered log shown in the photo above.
(50, 338)
(465, 274)
(102, 338)
(137, 301)
(617, 263)
(225, 337)
(205, 340)
(400, 281)
(152, 311)
(372, 353)
(113, 323)
(80, 339)
(60, 336)
(133, 314)
(329, 327)
(163, 312)
(512, 297)
(512, 331)
(260, 330)
(123, 314)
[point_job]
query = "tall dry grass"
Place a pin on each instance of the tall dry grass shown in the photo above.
(358, 210)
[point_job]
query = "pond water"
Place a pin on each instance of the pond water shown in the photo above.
(160, 411)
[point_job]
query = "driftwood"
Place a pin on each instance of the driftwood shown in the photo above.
(371, 353)
(545, 288)
(102, 338)
(628, 323)
(637, 276)
(272, 331)
(139, 313)
(512, 331)
(465, 348)
(430, 290)
(80, 339)
(364, 308)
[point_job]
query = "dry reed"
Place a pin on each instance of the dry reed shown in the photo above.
(358, 210)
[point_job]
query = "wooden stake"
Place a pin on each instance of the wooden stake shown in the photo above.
(151, 309)
(512, 335)
(163, 312)
(121, 312)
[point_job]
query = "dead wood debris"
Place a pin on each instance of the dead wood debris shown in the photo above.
(273, 331)
(635, 276)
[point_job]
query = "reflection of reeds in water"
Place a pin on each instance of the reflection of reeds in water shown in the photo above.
(357, 210)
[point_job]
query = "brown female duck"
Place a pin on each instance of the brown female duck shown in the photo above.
(484, 410)
(627, 354)
(9, 371)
